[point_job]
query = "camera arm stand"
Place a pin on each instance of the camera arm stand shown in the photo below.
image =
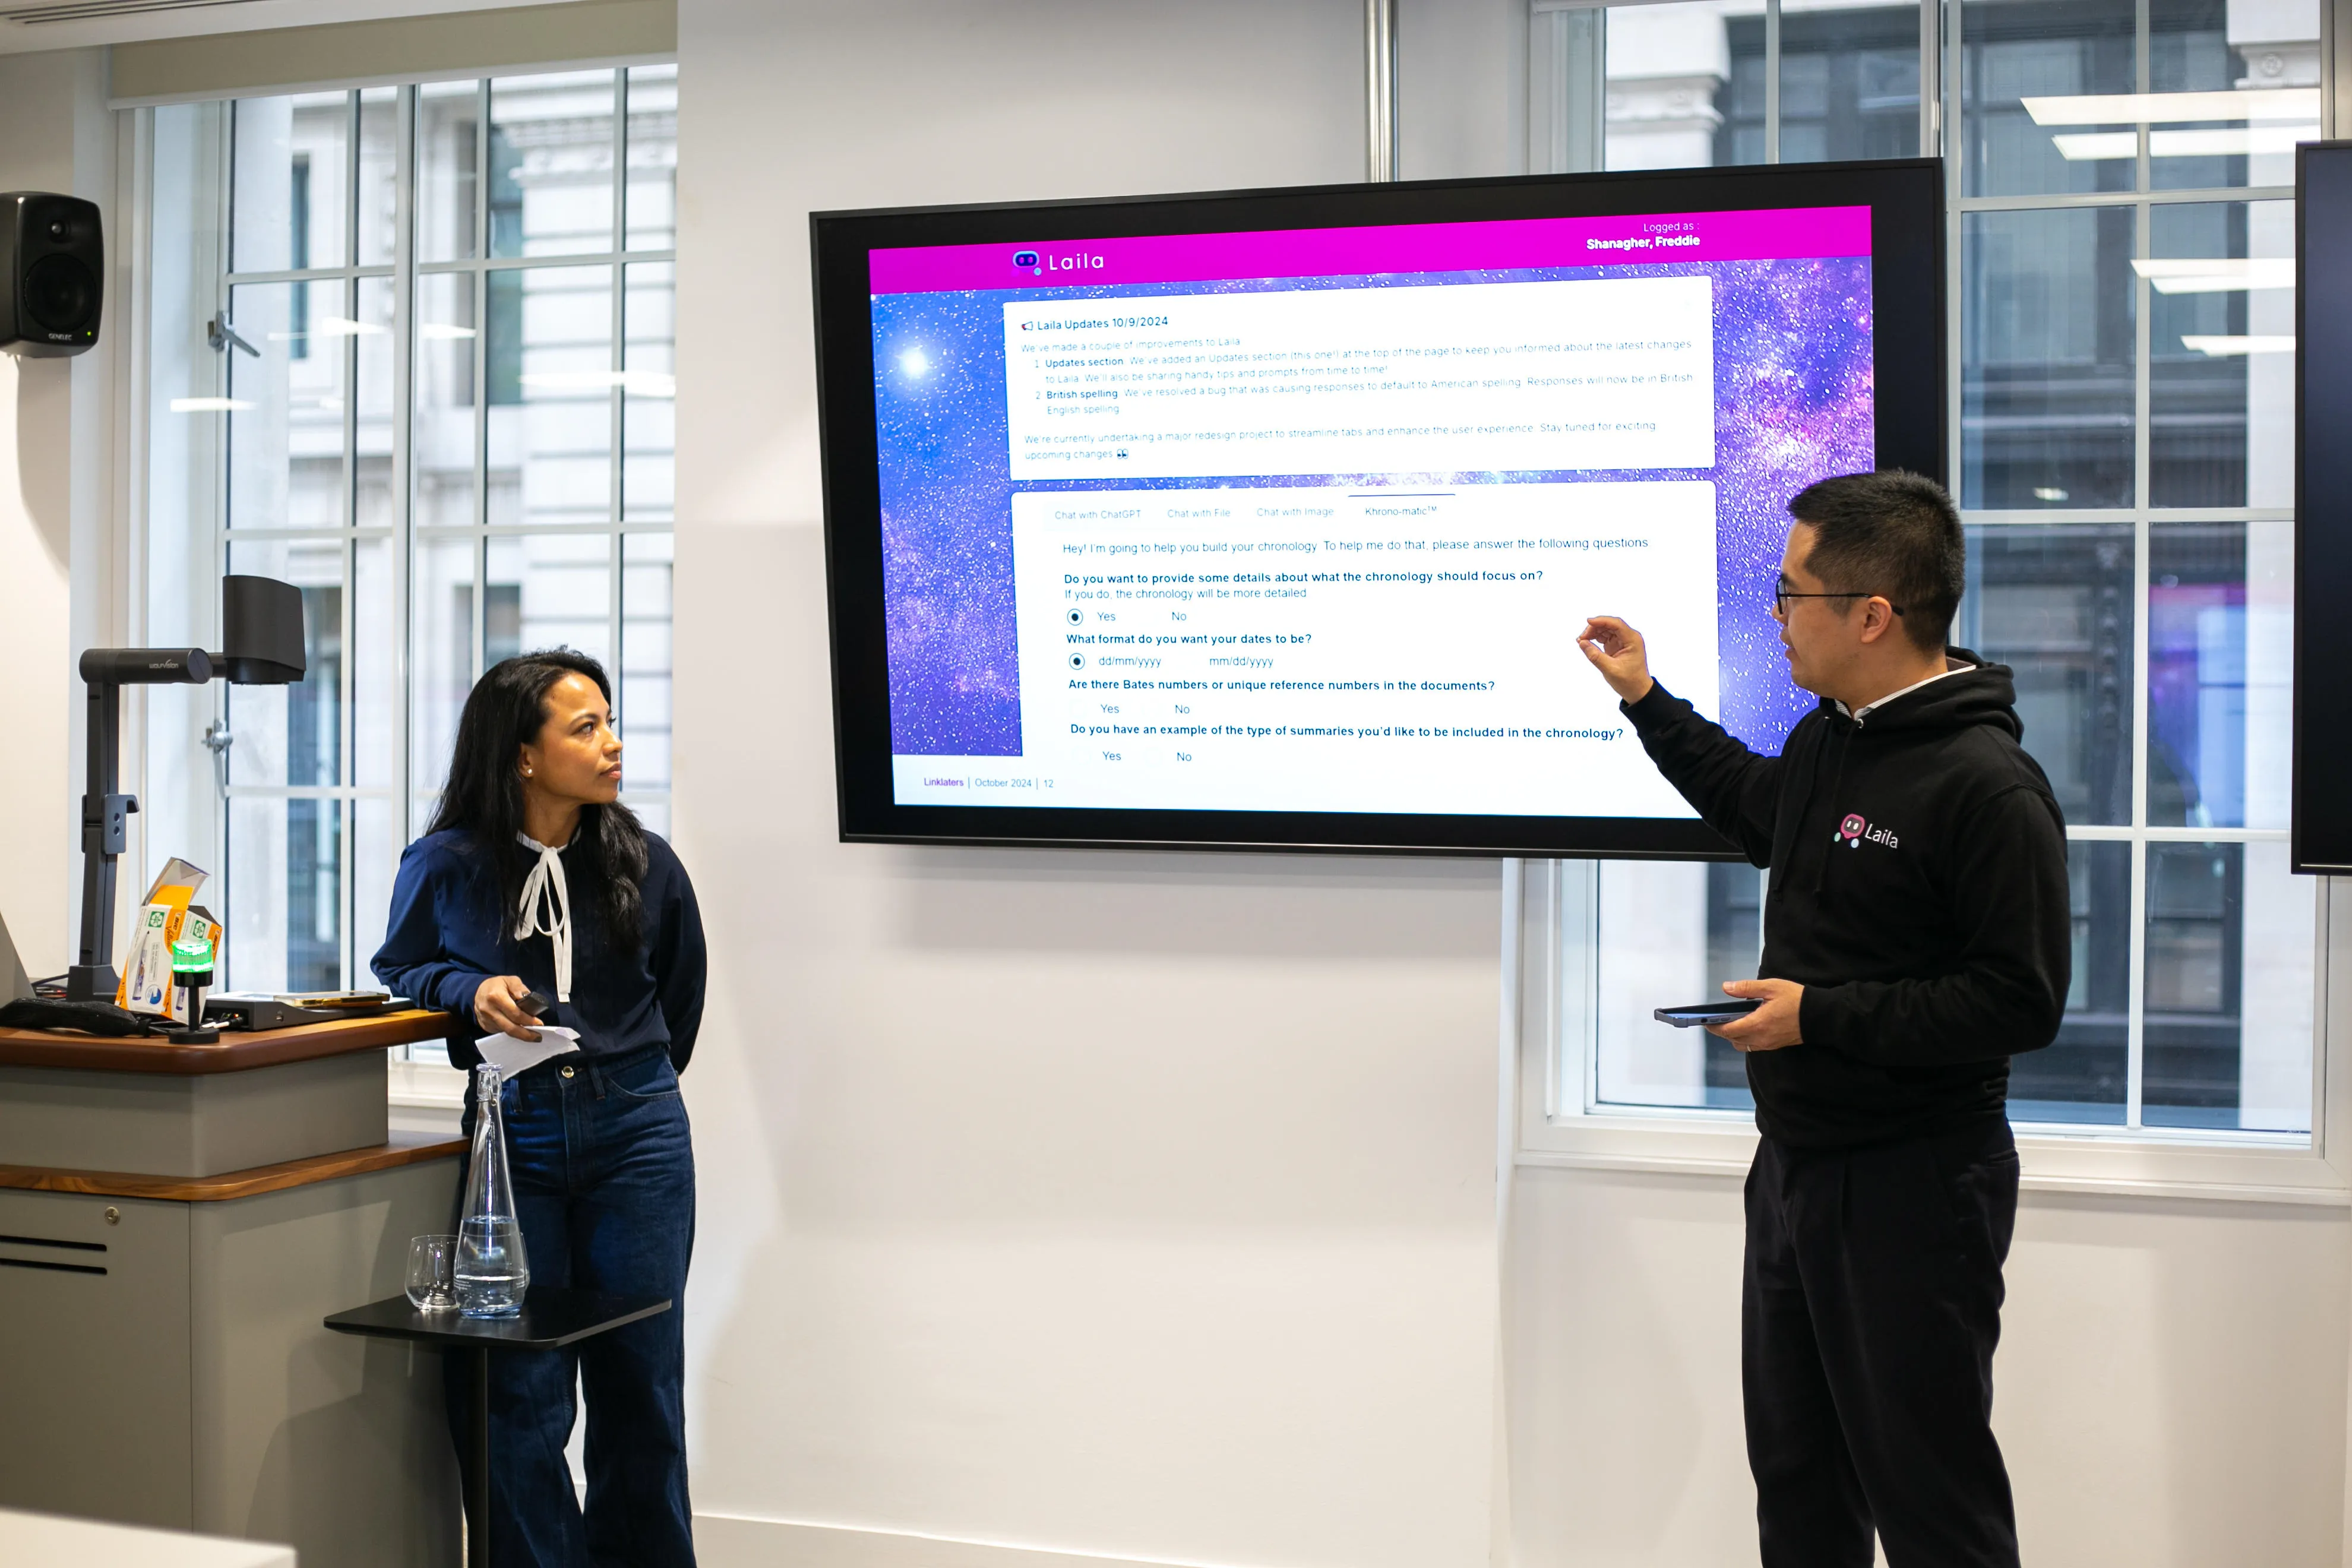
(261, 627)
(105, 810)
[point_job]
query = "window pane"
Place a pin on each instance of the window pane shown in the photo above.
(440, 663)
(375, 667)
(1735, 948)
(1670, 80)
(653, 157)
(293, 734)
(551, 389)
(551, 163)
(1739, 139)
(2046, 371)
(1566, 103)
(376, 843)
(314, 894)
(2229, 988)
(2220, 353)
(287, 209)
(2189, 51)
(2021, 63)
(443, 436)
(2220, 666)
(1671, 931)
(649, 400)
(2196, 305)
(2194, 47)
(286, 411)
(2082, 1077)
(448, 129)
(2270, 359)
(1652, 945)
(551, 590)
(1849, 81)
(645, 696)
(2054, 602)
(185, 376)
(285, 894)
(374, 352)
(2278, 955)
(379, 181)
(285, 857)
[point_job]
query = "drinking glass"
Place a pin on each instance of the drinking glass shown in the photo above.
(432, 1273)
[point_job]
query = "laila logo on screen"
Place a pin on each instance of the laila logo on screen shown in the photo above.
(1854, 830)
(1031, 262)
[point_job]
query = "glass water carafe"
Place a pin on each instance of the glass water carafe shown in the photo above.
(492, 1272)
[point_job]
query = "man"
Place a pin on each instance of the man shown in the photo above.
(1916, 934)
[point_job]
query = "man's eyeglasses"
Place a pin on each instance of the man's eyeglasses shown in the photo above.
(1781, 595)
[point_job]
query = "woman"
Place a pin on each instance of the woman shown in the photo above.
(535, 877)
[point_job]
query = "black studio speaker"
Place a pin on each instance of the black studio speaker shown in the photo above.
(52, 274)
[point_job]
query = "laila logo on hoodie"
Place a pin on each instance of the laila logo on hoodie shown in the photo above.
(1854, 830)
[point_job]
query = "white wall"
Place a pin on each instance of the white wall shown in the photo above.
(55, 509)
(1141, 1206)
(1128, 1205)
(2170, 1390)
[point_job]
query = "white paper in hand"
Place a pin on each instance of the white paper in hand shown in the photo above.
(511, 1056)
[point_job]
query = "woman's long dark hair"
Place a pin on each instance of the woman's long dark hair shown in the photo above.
(504, 713)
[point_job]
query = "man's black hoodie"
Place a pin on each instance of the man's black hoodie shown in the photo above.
(1918, 893)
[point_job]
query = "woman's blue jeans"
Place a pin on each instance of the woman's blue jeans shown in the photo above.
(604, 1175)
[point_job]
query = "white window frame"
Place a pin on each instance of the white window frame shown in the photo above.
(1549, 908)
(426, 1087)
(1549, 995)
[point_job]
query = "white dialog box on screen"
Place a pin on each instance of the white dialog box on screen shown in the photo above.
(1590, 374)
(1310, 648)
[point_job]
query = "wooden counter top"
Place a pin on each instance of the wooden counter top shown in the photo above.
(405, 1149)
(235, 1052)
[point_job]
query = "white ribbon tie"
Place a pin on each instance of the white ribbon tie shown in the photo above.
(547, 911)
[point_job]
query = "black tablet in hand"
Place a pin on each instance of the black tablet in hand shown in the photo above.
(1702, 1014)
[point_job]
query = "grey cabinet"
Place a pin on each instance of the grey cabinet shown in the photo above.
(162, 1362)
(94, 1365)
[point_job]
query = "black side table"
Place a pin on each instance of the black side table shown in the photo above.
(549, 1320)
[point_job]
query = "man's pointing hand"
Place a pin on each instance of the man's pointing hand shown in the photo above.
(1617, 651)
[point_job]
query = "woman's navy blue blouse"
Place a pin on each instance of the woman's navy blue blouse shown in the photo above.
(447, 935)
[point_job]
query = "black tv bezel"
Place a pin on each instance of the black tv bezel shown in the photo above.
(1906, 197)
(2319, 810)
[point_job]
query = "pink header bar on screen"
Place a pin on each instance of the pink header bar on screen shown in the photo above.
(1497, 245)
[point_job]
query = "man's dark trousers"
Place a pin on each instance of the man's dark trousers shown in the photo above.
(1870, 1306)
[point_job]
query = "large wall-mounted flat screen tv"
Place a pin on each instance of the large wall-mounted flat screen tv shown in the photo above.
(1267, 519)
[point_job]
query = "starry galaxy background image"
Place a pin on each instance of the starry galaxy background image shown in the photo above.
(1793, 404)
